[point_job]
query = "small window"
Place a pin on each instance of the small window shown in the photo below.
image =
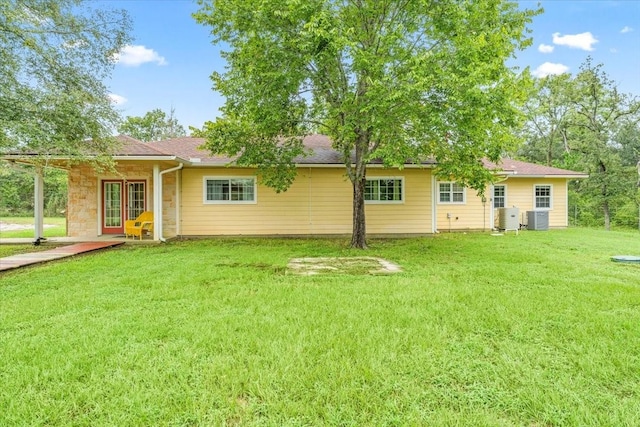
(451, 192)
(383, 190)
(499, 196)
(229, 190)
(542, 196)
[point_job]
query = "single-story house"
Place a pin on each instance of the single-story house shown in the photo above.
(194, 193)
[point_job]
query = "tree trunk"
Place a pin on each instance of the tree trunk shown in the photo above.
(605, 196)
(607, 215)
(359, 233)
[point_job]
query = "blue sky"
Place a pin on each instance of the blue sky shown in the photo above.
(171, 58)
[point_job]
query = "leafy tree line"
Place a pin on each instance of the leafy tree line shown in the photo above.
(17, 191)
(584, 123)
(54, 58)
(155, 125)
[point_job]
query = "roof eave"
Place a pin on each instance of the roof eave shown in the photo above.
(568, 176)
(150, 158)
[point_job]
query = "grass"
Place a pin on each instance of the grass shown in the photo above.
(539, 329)
(56, 227)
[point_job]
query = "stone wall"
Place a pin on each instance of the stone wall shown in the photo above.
(83, 209)
(82, 205)
(169, 203)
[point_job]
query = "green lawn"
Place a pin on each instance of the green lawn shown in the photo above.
(540, 329)
(54, 227)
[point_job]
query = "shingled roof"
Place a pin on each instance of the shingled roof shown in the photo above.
(318, 147)
(319, 152)
(525, 169)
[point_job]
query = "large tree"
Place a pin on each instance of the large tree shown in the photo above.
(155, 125)
(599, 113)
(395, 80)
(54, 57)
(583, 122)
(548, 112)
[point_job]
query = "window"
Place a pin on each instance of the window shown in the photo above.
(450, 192)
(542, 196)
(499, 196)
(229, 190)
(383, 190)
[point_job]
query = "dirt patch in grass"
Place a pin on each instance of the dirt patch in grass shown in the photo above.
(341, 265)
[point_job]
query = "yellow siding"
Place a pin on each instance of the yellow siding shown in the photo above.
(472, 215)
(412, 216)
(520, 194)
(318, 202)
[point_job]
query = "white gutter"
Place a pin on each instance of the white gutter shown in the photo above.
(157, 201)
(154, 158)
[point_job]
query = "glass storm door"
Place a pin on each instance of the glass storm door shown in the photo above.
(112, 212)
(135, 199)
(121, 200)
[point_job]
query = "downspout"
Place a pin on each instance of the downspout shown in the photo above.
(157, 202)
(434, 211)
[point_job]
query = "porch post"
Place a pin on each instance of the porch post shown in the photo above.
(38, 205)
(157, 202)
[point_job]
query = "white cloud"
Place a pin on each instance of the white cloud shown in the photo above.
(549, 68)
(117, 99)
(545, 48)
(584, 41)
(133, 56)
(626, 29)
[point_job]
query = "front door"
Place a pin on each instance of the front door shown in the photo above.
(121, 200)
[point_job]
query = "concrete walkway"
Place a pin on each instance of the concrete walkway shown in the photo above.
(21, 260)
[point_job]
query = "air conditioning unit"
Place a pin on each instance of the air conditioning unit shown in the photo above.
(538, 220)
(509, 219)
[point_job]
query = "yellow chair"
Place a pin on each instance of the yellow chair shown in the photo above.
(135, 227)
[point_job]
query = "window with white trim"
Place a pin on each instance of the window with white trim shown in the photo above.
(542, 196)
(384, 190)
(499, 196)
(451, 192)
(229, 190)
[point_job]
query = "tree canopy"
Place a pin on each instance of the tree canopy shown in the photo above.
(583, 122)
(155, 125)
(54, 57)
(387, 79)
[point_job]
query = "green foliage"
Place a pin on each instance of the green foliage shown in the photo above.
(275, 166)
(583, 123)
(538, 329)
(153, 126)
(548, 111)
(54, 57)
(383, 79)
(17, 186)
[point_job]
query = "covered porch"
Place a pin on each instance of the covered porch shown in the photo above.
(101, 201)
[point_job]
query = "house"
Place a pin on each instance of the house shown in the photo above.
(194, 193)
